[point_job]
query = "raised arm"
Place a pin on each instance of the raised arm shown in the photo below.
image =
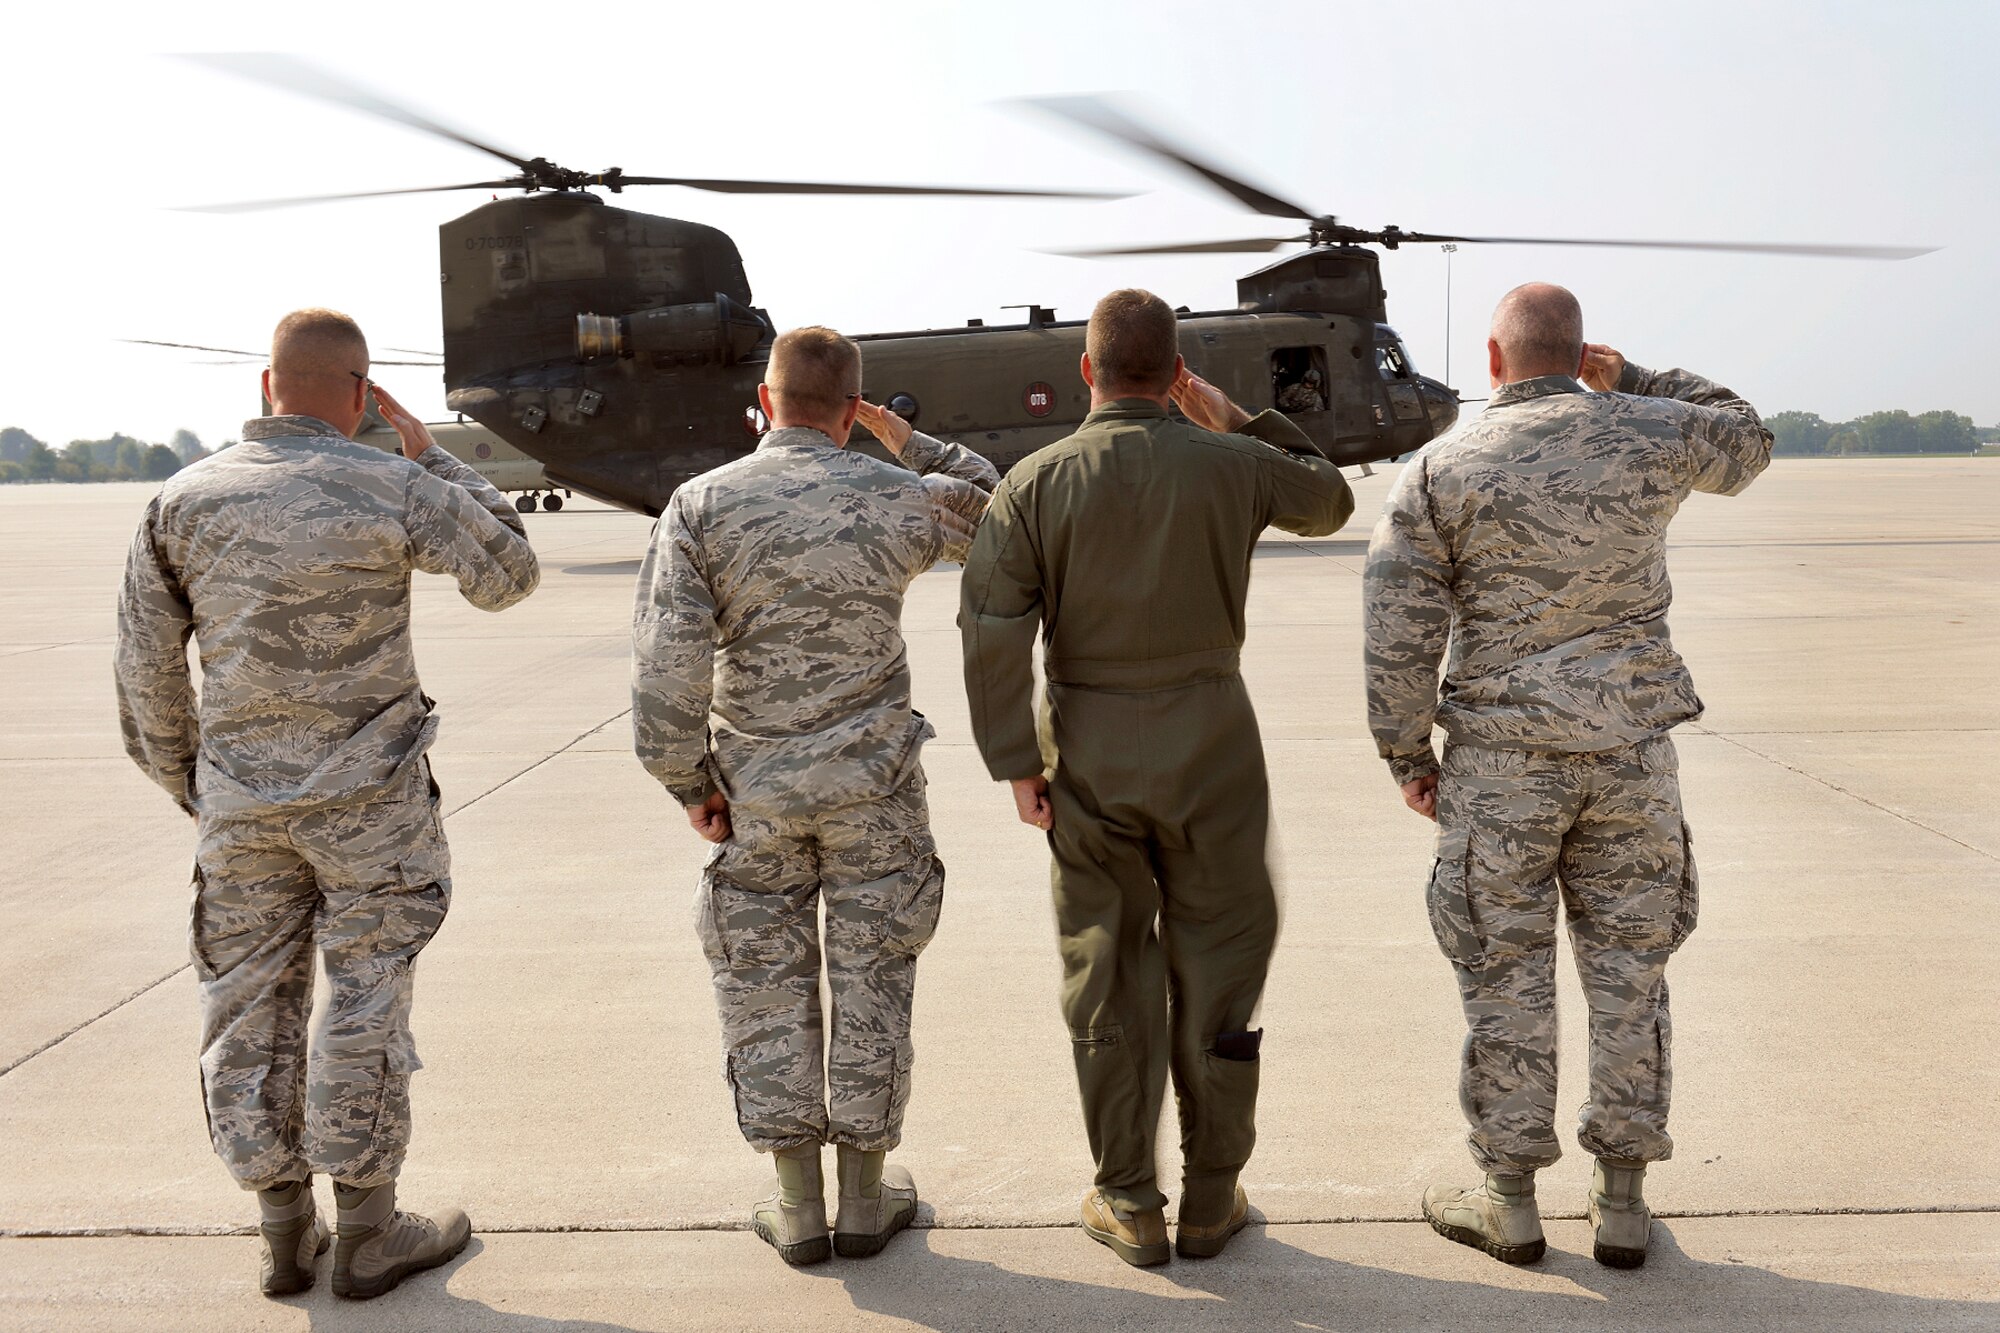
(1406, 591)
(1000, 612)
(921, 453)
(1728, 445)
(673, 659)
(455, 533)
(1308, 496)
(156, 706)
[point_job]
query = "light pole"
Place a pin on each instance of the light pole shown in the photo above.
(1449, 251)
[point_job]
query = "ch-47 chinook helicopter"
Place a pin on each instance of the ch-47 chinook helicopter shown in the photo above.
(623, 350)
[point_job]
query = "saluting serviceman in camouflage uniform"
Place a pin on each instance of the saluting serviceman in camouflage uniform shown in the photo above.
(1532, 540)
(1127, 547)
(288, 559)
(771, 696)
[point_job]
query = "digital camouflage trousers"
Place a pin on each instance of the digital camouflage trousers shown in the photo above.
(369, 884)
(1603, 832)
(757, 912)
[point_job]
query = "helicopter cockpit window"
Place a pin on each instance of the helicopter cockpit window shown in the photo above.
(1298, 379)
(1390, 361)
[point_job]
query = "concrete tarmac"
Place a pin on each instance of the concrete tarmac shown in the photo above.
(1837, 1013)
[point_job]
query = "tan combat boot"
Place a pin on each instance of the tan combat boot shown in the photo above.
(377, 1247)
(875, 1202)
(1211, 1212)
(1140, 1239)
(793, 1221)
(294, 1237)
(1498, 1217)
(1619, 1213)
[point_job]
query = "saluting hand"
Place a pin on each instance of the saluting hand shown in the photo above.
(416, 436)
(886, 426)
(711, 818)
(1205, 405)
(1602, 367)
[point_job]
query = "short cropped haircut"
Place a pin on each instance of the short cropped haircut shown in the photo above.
(1539, 327)
(317, 345)
(1132, 341)
(814, 371)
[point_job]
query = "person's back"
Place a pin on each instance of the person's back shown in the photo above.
(294, 551)
(1137, 493)
(1532, 542)
(771, 697)
(1127, 547)
(287, 558)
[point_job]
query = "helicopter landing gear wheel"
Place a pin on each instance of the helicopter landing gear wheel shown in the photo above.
(526, 504)
(552, 503)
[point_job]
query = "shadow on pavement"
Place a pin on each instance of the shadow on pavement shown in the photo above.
(604, 567)
(425, 1302)
(1264, 1283)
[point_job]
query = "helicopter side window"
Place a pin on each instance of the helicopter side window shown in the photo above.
(1298, 379)
(1390, 361)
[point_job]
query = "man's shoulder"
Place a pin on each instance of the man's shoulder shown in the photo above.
(824, 474)
(358, 476)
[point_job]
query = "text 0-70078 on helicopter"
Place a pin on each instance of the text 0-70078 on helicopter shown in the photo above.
(622, 350)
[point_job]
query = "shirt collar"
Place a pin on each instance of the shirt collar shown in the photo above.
(1126, 409)
(268, 428)
(796, 437)
(1541, 386)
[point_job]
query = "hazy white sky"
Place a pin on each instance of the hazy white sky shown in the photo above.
(1760, 122)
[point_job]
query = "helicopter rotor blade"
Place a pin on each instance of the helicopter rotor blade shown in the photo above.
(258, 356)
(817, 187)
(1725, 247)
(259, 205)
(1097, 113)
(293, 75)
(1243, 247)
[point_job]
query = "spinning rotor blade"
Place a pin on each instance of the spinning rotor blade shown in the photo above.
(293, 75)
(257, 205)
(1098, 114)
(815, 187)
(1245, 247)
(258, 356)
(1727, 247)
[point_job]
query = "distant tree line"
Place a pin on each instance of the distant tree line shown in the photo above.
(118, 458)
(1806, 433)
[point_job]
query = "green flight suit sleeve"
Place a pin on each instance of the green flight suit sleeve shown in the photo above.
(1306, 494)
(156, 703)
(1407, 607)
(464, 529)
(1727, 442)
(673, 658)
(1000, 612)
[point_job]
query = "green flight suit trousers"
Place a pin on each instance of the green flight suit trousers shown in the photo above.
(1166, 918)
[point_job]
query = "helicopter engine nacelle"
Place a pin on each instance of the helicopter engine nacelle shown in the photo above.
(721, 331)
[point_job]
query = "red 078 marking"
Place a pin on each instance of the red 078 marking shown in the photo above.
(1039, 398)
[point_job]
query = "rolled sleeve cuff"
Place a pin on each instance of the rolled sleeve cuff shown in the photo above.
(695, 794)
(1407, 768)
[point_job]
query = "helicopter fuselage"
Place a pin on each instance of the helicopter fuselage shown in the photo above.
(622, 351)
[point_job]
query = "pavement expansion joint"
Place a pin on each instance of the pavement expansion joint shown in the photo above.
(1873, 805)
(1042, 1224)
(60, 1038)
(574, 741)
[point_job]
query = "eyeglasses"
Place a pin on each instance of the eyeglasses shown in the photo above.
(363, 378)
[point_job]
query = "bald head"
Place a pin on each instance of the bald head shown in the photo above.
(316, 356)
(1537, 330)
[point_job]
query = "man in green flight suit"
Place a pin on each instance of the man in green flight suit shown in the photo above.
(1127, 546)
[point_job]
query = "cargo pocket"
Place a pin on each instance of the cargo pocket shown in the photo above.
(1448, 901)
(707, 920)
(919, 904)
(203, 969)
(1687, 897)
